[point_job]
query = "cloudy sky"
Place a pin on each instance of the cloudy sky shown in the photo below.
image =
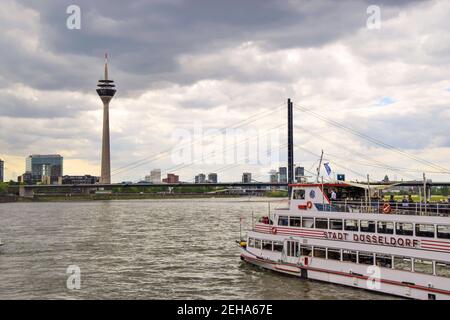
(185, 66)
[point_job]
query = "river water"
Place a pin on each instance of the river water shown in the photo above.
(141, 249)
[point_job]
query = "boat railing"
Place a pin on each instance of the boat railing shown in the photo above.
(388, 207)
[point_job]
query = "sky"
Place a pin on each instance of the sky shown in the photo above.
(200, 79)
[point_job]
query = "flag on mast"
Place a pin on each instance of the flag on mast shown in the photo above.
(327, 168)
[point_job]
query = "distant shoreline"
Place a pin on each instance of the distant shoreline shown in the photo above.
(8, 198)
(105, 197)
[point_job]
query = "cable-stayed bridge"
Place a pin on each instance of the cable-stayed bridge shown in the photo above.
(343, 164)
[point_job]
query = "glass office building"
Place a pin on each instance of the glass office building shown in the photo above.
(282, 174)
(2, 168)
(45, 166)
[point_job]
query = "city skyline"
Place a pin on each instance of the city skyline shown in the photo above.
(222, 77)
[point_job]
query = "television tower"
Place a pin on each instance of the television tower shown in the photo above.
(106, 90)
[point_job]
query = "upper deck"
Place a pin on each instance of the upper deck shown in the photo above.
(312, 214)
(359, 198)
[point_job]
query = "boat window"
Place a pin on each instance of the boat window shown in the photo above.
(267, 245)
(277, 246)
(334, 254)
(251, 242)
(349, 256)
(257, 243)
(443, 269)
(294, 221)
(367, 226)
(321, 223)
(404, 229)
(386, 227)
(383, 260)
(351, 225)
(306, 250)
(423, 266)
(365, 258)
(299, 194)
(289, 248)
(292, 248)
(443, 232)
(320, 252)
(297, 249)
(425, 230)
(335, 224)
(283, 221)
(307, 222)
(402, 263)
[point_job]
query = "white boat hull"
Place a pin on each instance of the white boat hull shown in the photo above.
(356, 280)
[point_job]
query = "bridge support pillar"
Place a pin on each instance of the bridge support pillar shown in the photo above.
(86, 190)
(26, 192)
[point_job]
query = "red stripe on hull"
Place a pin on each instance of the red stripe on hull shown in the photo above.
(291, 232)
(300, 235)
(439, 242)
(436, 249)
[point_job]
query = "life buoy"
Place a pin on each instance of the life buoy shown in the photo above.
(387, 208)
(274, 230)
(309, 205)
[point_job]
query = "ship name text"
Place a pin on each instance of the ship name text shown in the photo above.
(372, 239)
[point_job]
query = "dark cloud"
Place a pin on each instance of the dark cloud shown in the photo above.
(19, 107)
(146, 38)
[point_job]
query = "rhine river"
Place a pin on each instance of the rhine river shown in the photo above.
(141, 249)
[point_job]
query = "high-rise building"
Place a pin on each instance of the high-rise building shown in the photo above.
(171, 178)
(154, 177)
(246, 177)
(2, 170)
(299, 174)
(273, 176)
(282, 174)
(29, 178)
(212, 178)
(47, 168)
(200, 178)
(106, 90)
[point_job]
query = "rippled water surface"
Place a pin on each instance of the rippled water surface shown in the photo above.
(143, 249)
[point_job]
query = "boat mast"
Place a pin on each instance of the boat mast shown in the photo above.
(318, 168)
(425, 196)
(368, 193)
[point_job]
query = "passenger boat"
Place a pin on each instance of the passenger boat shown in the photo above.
(356, 240)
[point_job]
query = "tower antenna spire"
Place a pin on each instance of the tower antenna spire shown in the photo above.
(106, 65)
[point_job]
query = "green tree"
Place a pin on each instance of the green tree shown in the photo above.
(3, 187)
